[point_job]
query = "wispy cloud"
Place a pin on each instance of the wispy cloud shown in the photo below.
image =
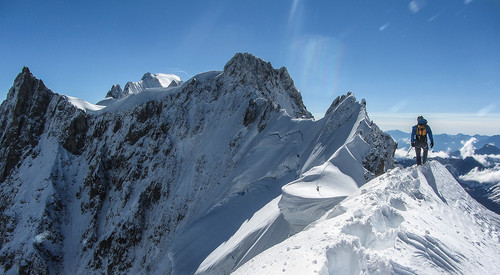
(179, 72)
(383, 27)
(433, 18)
(487, 109)
(293, 10)
(317, 60)
(399, 106)
(489, 175)
(416, 5)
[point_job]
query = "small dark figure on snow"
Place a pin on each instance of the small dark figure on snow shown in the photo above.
(419, 135)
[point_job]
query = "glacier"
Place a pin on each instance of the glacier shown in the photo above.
(210, 176)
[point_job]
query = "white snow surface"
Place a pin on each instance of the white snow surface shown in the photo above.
(149, 80)
(84, 105)
(417, 220)
(154, 86)
(166, 79)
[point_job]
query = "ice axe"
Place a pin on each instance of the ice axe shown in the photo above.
(408, 153)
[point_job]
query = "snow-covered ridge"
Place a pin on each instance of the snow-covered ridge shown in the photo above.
(339, 161)
(84, 105)
(417, 220)
(148, 81)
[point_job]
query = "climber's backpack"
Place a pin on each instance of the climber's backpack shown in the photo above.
(421, 132)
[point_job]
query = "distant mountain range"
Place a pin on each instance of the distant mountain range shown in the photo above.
(446, 142)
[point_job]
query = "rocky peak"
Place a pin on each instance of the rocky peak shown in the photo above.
(116, 92)
(274, 84)
(246, 63)
(22, 118)
(28, 94)
(338, 101)
(25, 86)
(250, 68)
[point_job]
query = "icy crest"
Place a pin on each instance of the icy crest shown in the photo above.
(417, 220)
(337, 161)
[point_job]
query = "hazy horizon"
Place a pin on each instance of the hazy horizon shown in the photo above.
(405, 57)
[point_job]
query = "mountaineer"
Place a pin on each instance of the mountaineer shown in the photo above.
(419, 135)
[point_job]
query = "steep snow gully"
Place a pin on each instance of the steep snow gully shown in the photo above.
(225, 172)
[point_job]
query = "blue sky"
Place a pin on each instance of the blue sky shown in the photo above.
(440, 59)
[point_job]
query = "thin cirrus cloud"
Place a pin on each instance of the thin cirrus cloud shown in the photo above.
(487, 109)
(450, 123)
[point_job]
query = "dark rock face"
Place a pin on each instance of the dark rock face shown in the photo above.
(115, 92)
(23, 119)
(77, 130)
(255, 72)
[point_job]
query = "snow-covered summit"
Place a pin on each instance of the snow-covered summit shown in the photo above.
(148, 80)
(84, 105)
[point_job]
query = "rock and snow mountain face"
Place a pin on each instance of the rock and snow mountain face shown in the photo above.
(161, 180)
(416, 220)
(148, 81)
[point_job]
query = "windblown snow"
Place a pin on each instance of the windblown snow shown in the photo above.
(417, 220)
(84, 105)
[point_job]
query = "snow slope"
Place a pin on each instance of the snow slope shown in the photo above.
(416, 220)
(340, 172)
(258, 179)
(84, 105)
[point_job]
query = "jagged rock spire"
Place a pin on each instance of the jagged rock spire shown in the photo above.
(276, 84)
(115, 92)
(23, 118)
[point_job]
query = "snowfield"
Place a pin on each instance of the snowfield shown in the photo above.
(84, 105)
(417, 220)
